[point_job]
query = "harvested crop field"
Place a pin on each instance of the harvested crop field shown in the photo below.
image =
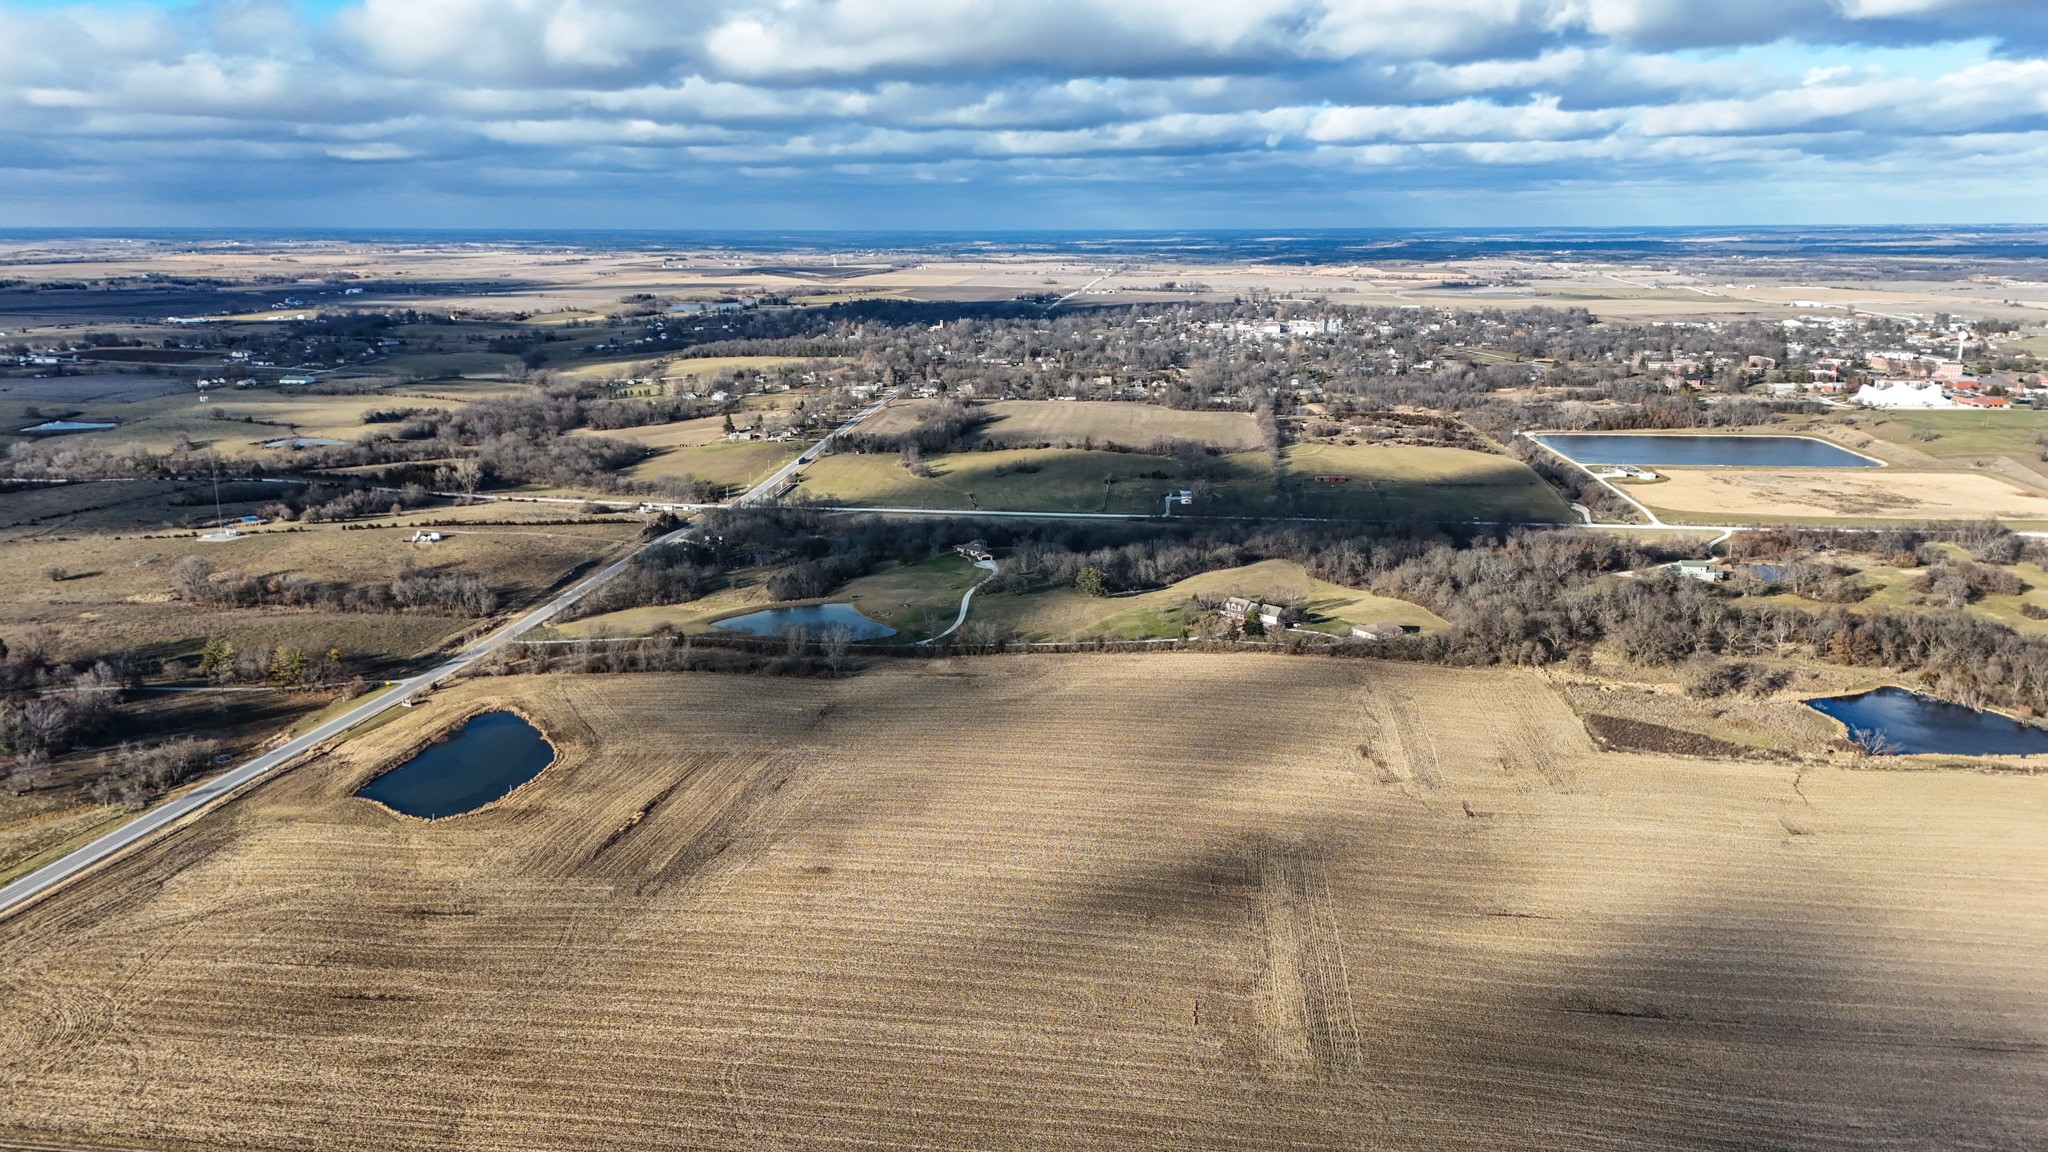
(1074, 423)
(1838, 494)
(1057, 902)
(1105, 421)
(677, 434)
(739, 464)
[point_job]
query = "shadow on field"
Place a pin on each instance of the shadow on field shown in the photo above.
(1732, 1026)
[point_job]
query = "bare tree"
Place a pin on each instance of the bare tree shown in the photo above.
(1871, 742)
(468, 474)
(835, 641)
(30, 771)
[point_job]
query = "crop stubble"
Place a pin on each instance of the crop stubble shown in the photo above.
(1075, 902)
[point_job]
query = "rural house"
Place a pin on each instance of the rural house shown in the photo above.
(1237, 608)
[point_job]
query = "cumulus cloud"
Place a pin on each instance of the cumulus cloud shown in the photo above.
(869, 111)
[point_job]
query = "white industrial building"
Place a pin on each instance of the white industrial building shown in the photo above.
(1903, 394)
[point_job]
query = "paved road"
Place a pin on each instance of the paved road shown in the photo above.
(176, 810)
(1638, 505)
(771, 487)
(165, 815)
(206, 795)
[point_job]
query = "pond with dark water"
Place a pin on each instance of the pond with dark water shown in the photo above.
(1918, 724)
(1721, 451)
(812, 618)
(481, 761)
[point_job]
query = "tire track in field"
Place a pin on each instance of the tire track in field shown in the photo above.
(1306, 1009)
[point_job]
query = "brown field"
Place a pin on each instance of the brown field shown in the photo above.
(117, 593)
(1132, 424)
(678, 434)
(899, 417)
(738, 465)
(1890, 494)
(1040, 902)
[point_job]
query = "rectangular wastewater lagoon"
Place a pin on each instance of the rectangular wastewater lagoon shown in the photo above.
(1731, 451)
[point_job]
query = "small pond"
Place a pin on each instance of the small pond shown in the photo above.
(813, 618)
(1921, 724)
(52, 427)
(481, 761)
(1724, 451)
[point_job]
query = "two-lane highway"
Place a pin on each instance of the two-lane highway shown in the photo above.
(180, 808)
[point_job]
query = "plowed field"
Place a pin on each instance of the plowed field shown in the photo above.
(1077, 903)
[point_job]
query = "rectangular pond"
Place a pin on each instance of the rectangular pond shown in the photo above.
(1728, 451)
(811, 618)
(1917, 725)
(481, 761)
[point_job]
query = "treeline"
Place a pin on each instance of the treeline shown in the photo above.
(1901, 546)
(411, 589)
(1517, 597)
(523, 439)
(807, 551)
(794, 654)
(947, 426)
(139, 773)
(49, 708)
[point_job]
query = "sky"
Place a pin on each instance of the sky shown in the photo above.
(1021, 114)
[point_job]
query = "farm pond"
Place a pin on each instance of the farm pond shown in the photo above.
(481, 761)
(59, 427)
(807, 618)
(1714, 451)
(1918, 724)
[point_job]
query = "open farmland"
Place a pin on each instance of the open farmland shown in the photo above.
(698, 450)
(1759, 495)
(1101, 421)
(234, 422)
(1078, 423)
(112, 391)
(100, 594)
(1962, 434)
(675, 434)
(738, 465)
(1392, 482)
(1057, 614)
(1011, 480)
(1000, 904)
